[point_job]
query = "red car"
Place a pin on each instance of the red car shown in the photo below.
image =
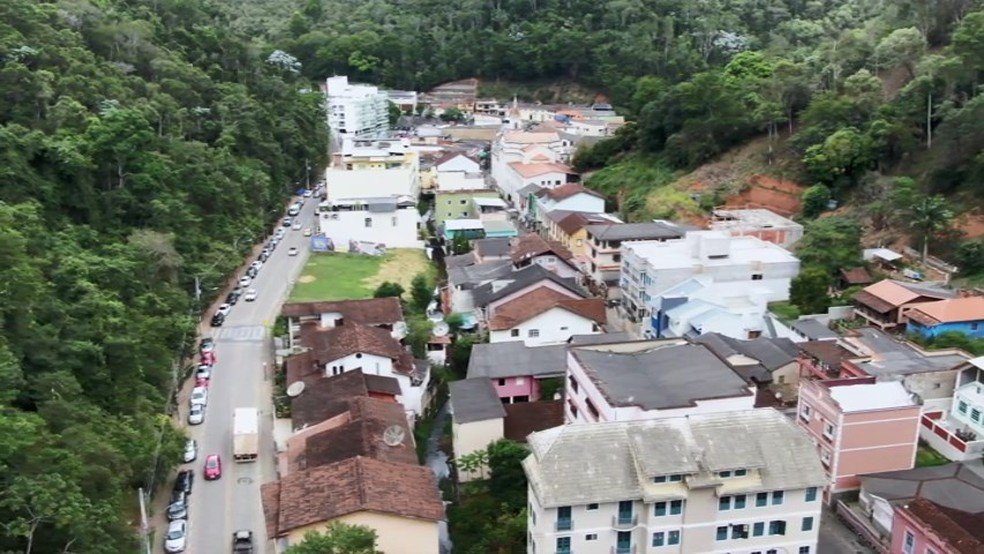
(208, 358)
(200, 382)
(213, 467)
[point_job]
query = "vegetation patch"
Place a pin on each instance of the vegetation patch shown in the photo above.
(927, 457)
(342, 276)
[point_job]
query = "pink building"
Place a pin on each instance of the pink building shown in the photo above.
(859, 426)
(516, 370)
(923, 527)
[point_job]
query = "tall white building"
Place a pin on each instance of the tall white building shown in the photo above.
(742, 482)
(355, 111)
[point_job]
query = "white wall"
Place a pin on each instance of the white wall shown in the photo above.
(458, 164)
(371, 183)
(394, 229)
(553, 326)
(459, 180)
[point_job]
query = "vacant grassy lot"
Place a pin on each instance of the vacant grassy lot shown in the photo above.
(349, 276)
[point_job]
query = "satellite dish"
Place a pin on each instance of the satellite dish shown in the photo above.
(441, 329)
(400, 327)
(295, 389)
(394, 435)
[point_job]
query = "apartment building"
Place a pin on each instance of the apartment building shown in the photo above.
(377, 206)
(605, 245)
(744, 482)
(858, 426)
(355, 110)
(376, 153)
(651, 267)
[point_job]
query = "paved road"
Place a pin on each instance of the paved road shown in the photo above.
(243, 349)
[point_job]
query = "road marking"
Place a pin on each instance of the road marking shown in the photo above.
(242, 333)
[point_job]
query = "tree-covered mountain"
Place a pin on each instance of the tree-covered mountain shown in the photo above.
(142, 145)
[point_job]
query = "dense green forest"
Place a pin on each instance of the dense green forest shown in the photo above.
(141, 146)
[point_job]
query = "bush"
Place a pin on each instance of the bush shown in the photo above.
(388, 289)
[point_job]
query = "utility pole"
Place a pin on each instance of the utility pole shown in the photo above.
(144, 526)
(307, 172)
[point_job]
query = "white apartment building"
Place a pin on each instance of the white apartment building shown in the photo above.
(743, 482)
(521, 147)
(355, 111)
(651, 267)
(377, 206)
(605, 245)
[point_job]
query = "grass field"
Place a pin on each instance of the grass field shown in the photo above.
(349, 276)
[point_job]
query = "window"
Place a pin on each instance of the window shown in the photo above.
(616, 258)
(807, 524)
(673, 537)
(520, 380)
(564, 518)
(828, 429)
(676, 478)
(777, 527)
(463, 202)
(563, 328)
(741, 472)
(502, 382)
(573, 383)
(825, 457)
(659, 538)
(756, 276)
(811, 494)
(514, 332)
(962, 407)
(676, 507)
(532, 514)
(804, 550)
(739, 501)
(724, 503)
(758, 529)
(909, 543)
(777, 498)
(975, 414)
(659, 509)
(395, 220)
(592, 506)
(761, 499)
(563, 544)
(722, 533)
(533, 333)
(368, 222)
(739, 531)
(724, 474)
(805, 412)
(591, 537)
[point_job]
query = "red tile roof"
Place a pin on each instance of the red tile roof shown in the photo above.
(363, 436)
(540, 300)
(532, 170)
(531, 245)
(325, 493)
(955, 310)
(963, 532)
(370, 311)
(328, 345)
(326, 397)
(887, 294)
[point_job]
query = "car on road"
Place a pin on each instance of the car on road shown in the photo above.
(217, 320)
(251, 272)
(177, 536)
(213, 467)
(257, 264)
(264, 256)
(207, 344)
(202, 383)
(308, 193)
(184, 481)
(287, 221)
(292, 251)
(245, 280)
(233, 297)
(250, 295)
(204, 372)
(191, 451)
(242, 542)
(196, 415)
(178, 508)
(224, 309)
(296, 226)
(279, 234)
(199, 395)
(307, 232)
(208, 358)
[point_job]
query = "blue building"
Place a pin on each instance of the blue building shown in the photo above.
(963, 315)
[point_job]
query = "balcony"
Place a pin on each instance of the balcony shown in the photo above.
(564, 524)
(625, 521)
(949, 436)
(633, 549)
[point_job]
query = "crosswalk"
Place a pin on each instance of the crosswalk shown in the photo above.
(242, 333)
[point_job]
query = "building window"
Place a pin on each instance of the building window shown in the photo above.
(659, 539)
(564, 518)
(722, 533)
(592, 506)
(659, 509)
(909, 543)
(724, 503)
(591, 537)
(533, 333)
(676, 478)
(777, 527)
(761, 499)
(811, 494)
(828, 430)
(463, 202)
(563, 545)
(962, 407)
(739, 501)
(395, 220)
(825, 456)
(776, 498)
(756, 276)
(591, 408)
(616, 258)
(724, 474)
(573, 383)
(807, 524)
(975, 414)
(532, 514)
(739, 531)
(502, 382)
(368, 222)
(673, 537)
(805, 412)
(741, 472)
(676, 507)
(804, 550)
(758, 529)
(514, 332)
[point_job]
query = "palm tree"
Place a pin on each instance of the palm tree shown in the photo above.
(930, 216)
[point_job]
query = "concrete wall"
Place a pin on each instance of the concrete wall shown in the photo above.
(474, 436)
(394, 229)
(553, 326)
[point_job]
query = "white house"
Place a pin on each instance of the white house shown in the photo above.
(545, 316)
(458, 171)
(546, 175)
(355, 110)
(651, 267)
(570, 197)
(378, 206)
(525, 148)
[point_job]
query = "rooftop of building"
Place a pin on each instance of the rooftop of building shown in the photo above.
(571, 222)
(813, 329)
(830, 352)
(856, 276)
(531, 245)
(863, 397)
(369, 311)
(565, 191)
(886, 295)
(609, 462)
(474, 399)
(954, 310)
(887, 355)
(526, 137)
(961, 531)
(541, 300)
(752, 359)
(509, 282)
(958, 485)
(515, 359)
(326, 397)
(725, 250)
(491, 247)
(474, 274)
(536, 169)
(635, 231)
(524, 418)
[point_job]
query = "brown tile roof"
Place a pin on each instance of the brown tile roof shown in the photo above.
(369, 311)
(869, 300)
(891, 293)
(856, 276)
(962, 531)
(326, 397)
(524, 418)
(532, 170)
(949, 311)
(540, 300)
(567, 190)
(827, 351)
(531, 245)
(448, 156)
(335, 343)
(572, 222)
(362, 436)
(325, 493)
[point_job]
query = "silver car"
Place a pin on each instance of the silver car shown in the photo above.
(177, 536)
(191, 451)
(196, 416)
(199, 395)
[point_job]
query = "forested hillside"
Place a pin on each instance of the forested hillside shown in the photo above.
(141, 146)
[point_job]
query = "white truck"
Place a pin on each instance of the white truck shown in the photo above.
(245, 434)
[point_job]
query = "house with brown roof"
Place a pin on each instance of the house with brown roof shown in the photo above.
(530, 249)
(924, 526)
(401, 502)
(569, 228)
(886, 303)
(336, 350)
(323, 398)
(854, 277)
(545, 316)
(960, 315)
(572, 197)
(385, 313)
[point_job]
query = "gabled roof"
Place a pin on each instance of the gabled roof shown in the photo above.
(887, 295)
(856, 276)
(959, 485)
(635, 231)
(325, 493)
(535, 169)
(520, 279)
(494, 247)
(813, 329)
(961, 531)
(465, 274)
(566, 191)
(515, 359)
(335, 343)
(571, 222)
(370, 311)
(326, 397)
(538, 301)
(447, 157)
(531, 245)
(363, 436)
(769, 354)
(955, 310)
(473, 400)
(524, 137)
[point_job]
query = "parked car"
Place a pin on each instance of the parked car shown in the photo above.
(199, 395)
(217, 320)
(307, 232)
(224, 309)
(265, 255)
(191, 450)
(251, 272)
(296, 226)
(257, 264)
(250, 295)
(184, 481)
(242, 542)
(196, 415)
(287, 221)
(204, 372)
(208, 358)
(177, 536)
(245, 280)
(292, 251)
(178, 508)
(213, 467)
(279, 234)
(207, 344)
(307, 193)
(232, 297)
(199, 382)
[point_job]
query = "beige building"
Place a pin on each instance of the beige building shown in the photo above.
(477, 421)
(399, 501)
(740, 482)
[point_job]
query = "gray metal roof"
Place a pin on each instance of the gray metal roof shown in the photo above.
(813, 329)
(671, 376)
(958, 485)
(478, 274)
(495, 247)
(600, 338)
(607, 462)
(474, 400)
(634, 231)
(894, 357)
(520, 279)
(514, 359)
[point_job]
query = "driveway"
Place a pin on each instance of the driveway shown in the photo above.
(837, 538)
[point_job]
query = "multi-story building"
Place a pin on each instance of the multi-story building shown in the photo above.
(737, 482)
(355, 111)
(956, 428)
(651, 267)
(377, 206)
(859, 426)
(570, 229)
(636, 380)
(525, 148)
(764, 224)
(376, 153)
(605, 245)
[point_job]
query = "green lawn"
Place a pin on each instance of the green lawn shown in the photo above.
(351, 276)
(784, 310)
(927, 457)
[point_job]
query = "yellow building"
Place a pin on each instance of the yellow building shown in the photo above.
(394, 153)
(400, 502)
(569, 229)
